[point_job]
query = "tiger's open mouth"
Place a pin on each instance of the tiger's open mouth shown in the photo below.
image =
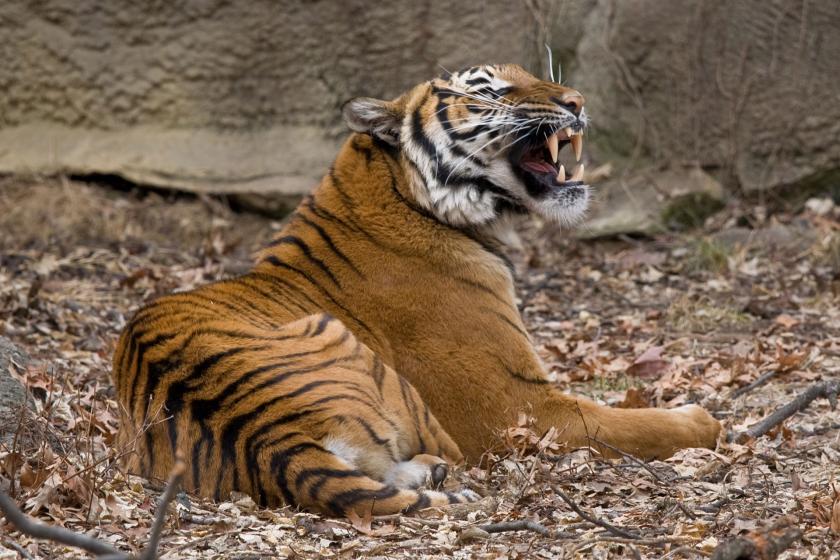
(539, 162)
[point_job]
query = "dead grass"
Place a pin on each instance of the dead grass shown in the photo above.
(708, 255)
(54, 213)
(696, 314)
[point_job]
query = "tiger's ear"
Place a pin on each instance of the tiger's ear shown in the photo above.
(381, 119)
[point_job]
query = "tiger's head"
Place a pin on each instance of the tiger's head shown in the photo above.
(483, 144)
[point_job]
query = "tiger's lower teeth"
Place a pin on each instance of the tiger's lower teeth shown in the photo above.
(561, 175)
(577, 174)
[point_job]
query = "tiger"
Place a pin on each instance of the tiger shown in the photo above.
(376, 341)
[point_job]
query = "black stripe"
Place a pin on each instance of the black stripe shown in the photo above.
(142, 348)
(342, 502)
(306, 474)
(231, 431)
(307, 252)
(411, 406)
(477, 81)
(422, 502)
(272, 259)
(517, 375)
(374, 437)
(293, 290)
(378, 372)
(157, 369)
(256, 481)
(179, 389)
(325, 320)
(505, 319)
(328, 240)
(280, 463)
(271, 295)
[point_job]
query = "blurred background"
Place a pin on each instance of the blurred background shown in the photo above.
(692, 101)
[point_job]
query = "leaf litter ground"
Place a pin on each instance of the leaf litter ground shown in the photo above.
(662, 322)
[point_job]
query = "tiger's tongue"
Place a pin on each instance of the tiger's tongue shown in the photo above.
(539, 166)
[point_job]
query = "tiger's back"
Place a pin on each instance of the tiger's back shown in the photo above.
(287, 410)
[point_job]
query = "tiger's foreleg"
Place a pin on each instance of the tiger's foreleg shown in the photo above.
(649, 433)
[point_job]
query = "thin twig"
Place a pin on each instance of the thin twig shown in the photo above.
(201, 519)
(160, 515)
(762, 380)
(29, 526)
(484, 531)
(592, 519)
(518, 525)
(827, 389)
(630, 457)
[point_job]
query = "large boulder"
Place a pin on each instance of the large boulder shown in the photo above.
(222, 96)
(747, 89)
(651, 201)
(13, 395)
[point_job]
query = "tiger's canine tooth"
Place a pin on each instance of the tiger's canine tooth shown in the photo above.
(561, 174)
(577, 174)
(577, 144)
(552, 144)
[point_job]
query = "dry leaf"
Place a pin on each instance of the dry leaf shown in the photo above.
(786, 321)
(650, 364)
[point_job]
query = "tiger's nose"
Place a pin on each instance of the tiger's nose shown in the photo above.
(573, 101)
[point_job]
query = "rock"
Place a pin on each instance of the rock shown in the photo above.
(748, 88)
(790, 238)
(218, 96)
(13, 395)
(653, 201)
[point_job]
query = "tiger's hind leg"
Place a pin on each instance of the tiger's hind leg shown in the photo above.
(306, 473)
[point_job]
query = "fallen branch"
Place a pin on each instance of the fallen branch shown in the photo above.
(760, 545)
(762, 380)
(104, 551)
(28, 526)
(826, 389)
(592, 519)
